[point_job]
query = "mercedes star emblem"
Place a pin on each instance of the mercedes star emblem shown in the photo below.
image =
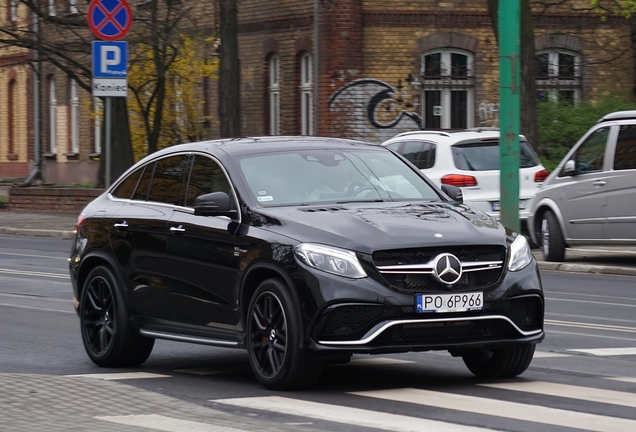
(447, 269)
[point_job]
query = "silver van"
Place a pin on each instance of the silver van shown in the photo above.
(590, 198)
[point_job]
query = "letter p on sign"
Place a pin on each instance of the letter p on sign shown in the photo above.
(111, 56)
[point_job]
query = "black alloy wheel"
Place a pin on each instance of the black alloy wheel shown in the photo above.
(552, 241)
(274, 332)
(499, 363)
(108, 337)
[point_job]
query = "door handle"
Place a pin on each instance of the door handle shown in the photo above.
(121, 226)
(179, 229)
(599, 183)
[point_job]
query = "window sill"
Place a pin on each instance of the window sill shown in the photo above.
(50, 156)
(95, 156)
(12, 156)
(72, 156)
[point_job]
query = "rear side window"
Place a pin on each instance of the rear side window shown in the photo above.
(421, 154)
(484, 156)
(591, 153)
(625, 155)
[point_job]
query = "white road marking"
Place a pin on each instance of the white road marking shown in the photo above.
(505, 409)
(548, 354)
(607, 351)
(592, 326)
(624, 379)
(34, 273)
(35, 308)
(346, 415)
(216, 370)
(593, 302)
(166, 424)
(570, 391)
(120, 376)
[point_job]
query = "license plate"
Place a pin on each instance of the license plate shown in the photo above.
(449, 302)
(497, 207)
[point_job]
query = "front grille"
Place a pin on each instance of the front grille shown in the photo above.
(417, 282)
(443, 332)
(526, 312)
(351, 322)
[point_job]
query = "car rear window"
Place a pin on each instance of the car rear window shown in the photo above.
(484, 156)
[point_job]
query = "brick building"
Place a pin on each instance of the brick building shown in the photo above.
(363, 69)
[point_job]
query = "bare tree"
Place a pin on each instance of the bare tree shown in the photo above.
(229, 74)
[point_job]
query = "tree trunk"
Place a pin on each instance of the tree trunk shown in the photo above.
(528, 84)
(121, 147)
(229, 73)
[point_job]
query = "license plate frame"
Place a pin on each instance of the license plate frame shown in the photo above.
(496, 205)
(447, 303)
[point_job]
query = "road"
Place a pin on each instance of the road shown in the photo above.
(583, 376)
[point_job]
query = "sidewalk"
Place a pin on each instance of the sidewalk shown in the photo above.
(588, 259)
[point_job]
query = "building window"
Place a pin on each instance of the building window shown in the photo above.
(306, 87)
(274, 95)
(448, 89)
(558, 75)
(98, 106)
(13, 10)
(72, 7)
(74, 118)
(52, 7)
(10, 117)
(52, 116)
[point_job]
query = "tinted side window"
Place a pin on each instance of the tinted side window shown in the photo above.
(206, 177)
(141, 193)
(591, 153)
(625, 156)
(167, 181)
(421, 154)
(127, 187)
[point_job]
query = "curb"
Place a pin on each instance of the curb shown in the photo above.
(587, 268)
(59, 234)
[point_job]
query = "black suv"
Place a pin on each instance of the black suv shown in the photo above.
(304, 251)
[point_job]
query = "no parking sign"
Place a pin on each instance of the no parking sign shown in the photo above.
(109, 20)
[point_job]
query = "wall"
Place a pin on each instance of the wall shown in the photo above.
(50, 200)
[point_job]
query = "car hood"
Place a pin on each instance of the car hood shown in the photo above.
(369, 227)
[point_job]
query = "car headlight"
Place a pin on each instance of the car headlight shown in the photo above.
(520, 254)
(340, 262)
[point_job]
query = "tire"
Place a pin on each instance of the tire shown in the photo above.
(552, 241)
(108, 336)
(274, 335)
(499, 363)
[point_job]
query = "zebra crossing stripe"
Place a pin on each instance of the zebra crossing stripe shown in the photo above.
(505, 409)
(120, 376)
(347, 415)
(570, 391)
(166, 424)
(607, 351)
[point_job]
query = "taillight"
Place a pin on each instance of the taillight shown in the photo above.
(541, 175)
(459, 180)
(80, 220)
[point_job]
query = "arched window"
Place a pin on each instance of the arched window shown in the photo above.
(74, 118)
(306, 87)
(13, 10)
(558, 75)
(274, 95)
(448, 89)
(52, 116)
(98, 107)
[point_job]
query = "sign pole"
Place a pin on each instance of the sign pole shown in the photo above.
(107, 146)
(509, 117)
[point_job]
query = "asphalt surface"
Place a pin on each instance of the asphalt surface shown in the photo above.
(47, 402)
(588, 259)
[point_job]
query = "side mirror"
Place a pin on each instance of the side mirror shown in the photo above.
(454, 192)
(214, 204)
(569, 168)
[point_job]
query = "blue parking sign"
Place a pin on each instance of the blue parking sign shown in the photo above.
(110, 59)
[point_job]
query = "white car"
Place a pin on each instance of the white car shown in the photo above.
(470, 159)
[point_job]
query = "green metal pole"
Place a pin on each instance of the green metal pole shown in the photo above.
(509, 103)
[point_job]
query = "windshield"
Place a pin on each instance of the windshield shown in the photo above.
(484, 156)
(334, 176)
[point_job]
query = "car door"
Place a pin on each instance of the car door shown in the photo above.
(204, 256)
(621, 186)
(582, 197)
(138, 236)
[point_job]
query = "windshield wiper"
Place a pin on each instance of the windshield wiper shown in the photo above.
(360, 201)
